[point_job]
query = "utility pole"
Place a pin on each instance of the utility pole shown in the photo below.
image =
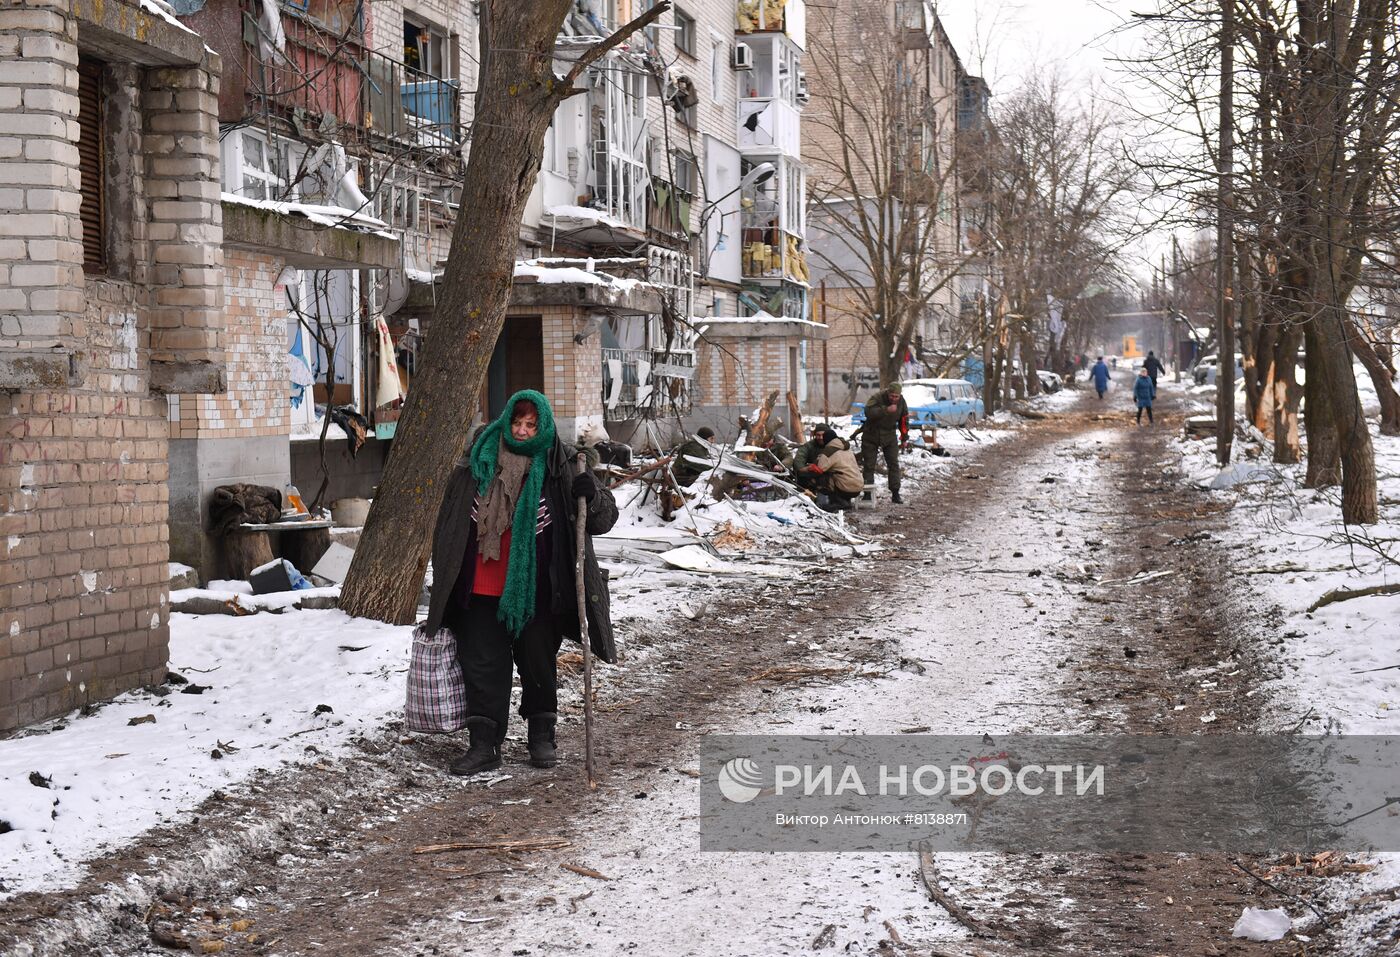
(1172, 301)
(1224, 245)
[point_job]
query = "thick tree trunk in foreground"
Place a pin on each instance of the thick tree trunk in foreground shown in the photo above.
(1324, 456)
(515, 103)
(1359, 501)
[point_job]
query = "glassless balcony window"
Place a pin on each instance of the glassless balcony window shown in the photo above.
(425, 49)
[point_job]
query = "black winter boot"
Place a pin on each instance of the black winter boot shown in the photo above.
(484, 753)
(894, 497)
(541, 741)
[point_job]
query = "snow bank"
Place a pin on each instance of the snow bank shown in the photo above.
(264, 678)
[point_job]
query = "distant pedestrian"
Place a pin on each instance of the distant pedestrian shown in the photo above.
(1154, 367)
(1144, 391)
(1100, 376)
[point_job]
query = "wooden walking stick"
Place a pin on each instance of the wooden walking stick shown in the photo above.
(582, 594)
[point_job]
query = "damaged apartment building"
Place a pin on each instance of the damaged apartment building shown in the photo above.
(665, 267)
(224, 225)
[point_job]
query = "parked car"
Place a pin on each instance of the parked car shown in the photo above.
(936, 403)
(1050, 381)
(1205, 371)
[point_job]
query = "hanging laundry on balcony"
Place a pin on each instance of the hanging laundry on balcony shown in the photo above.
(299, 371)
(387, 391)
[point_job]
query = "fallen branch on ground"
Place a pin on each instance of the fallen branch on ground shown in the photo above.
(585, 871)
(1347, 594)
(928, 873)
(527, 844)
(798, 672)
(1278, 890)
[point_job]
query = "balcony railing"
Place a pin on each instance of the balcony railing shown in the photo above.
(331, 85)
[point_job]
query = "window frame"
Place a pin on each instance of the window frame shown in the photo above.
(719, 59)
(685, 32)
(438, 41)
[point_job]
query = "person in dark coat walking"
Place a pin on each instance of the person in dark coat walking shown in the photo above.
(1100, 376)
(1154, 367)
(886, 426)
(1144, 391)
(503, 574)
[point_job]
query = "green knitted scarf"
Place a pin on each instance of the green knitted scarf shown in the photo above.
(518, 600)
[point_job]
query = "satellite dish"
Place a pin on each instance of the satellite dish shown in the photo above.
(395, 291)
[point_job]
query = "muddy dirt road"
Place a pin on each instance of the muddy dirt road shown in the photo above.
(1017, 594)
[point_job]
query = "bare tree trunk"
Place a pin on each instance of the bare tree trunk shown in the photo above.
(1285, 396)
(1359, 501)
(1259, 374)
(1380, 378)
(1028, 361)
(517, 95)
(1324, 455)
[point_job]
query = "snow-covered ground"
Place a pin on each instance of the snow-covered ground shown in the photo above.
(80, 786)
(1341, 663)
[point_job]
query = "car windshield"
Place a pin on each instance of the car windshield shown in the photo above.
(917, 396)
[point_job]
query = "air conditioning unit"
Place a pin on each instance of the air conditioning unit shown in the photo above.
(743, 56)
(802, 93)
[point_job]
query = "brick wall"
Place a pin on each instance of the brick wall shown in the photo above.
(41, 278)
(573, 372)
(255, 349)
(739, 373)
(84, 464)
(83, 504)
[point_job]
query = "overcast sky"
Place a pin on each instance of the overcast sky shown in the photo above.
(1003, 38)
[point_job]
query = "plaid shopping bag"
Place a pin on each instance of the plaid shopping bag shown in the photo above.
(437, 695)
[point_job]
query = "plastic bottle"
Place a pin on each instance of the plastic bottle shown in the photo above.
(292, 503)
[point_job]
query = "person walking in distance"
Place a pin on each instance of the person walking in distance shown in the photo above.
(1144, 391)
(503, 570)
(1154, 367)
(886, 425)
(1100, 376)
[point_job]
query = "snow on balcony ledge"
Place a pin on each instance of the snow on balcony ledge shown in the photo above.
(586, 216)
(762, 324)
(334, 216)
(541, 271)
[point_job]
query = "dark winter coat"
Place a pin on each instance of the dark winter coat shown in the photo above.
(881, 427)
(686, 471)
(455, 534)
(1100, 374)
(1144, 392)
(1154, 366)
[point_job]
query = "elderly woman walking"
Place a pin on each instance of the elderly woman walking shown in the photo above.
(504, 579)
